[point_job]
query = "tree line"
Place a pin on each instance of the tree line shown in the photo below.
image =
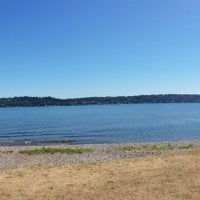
(50, 101)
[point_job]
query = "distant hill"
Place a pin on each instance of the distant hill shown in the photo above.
(50, 101)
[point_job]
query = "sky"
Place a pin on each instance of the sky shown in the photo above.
(79, 48)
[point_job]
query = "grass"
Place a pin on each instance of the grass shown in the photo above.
(147, 148)
(190, 146)
(55, 150)
(164, 177)
(6, 152)
(154, 147)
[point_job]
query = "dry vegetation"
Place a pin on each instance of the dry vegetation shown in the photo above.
(169, 176)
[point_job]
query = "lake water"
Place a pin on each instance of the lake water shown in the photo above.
(101, 123)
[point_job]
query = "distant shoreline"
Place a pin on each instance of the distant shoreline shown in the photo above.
(140, 99)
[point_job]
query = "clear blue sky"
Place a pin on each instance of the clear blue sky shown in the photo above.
(77, 48)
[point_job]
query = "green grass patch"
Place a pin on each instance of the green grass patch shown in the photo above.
(162, 147)
(154, 147)
(6, 152)
(147, 148)
(55, 150)
(190, 146)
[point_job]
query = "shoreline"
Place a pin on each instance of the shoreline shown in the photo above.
(11, 158)
(75, 143)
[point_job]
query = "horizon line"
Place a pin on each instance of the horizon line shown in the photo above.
(163, 94)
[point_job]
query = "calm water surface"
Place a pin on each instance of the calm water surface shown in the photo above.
(101, 124)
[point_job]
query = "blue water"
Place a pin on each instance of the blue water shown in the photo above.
(101, 123)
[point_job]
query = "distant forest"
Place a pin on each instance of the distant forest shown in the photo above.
(50, 101)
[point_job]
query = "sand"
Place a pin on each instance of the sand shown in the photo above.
(164, 177)
(104, 174)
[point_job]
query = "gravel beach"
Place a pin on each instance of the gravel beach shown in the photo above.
(11, 158)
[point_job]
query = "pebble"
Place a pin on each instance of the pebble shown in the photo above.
(101, 152)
